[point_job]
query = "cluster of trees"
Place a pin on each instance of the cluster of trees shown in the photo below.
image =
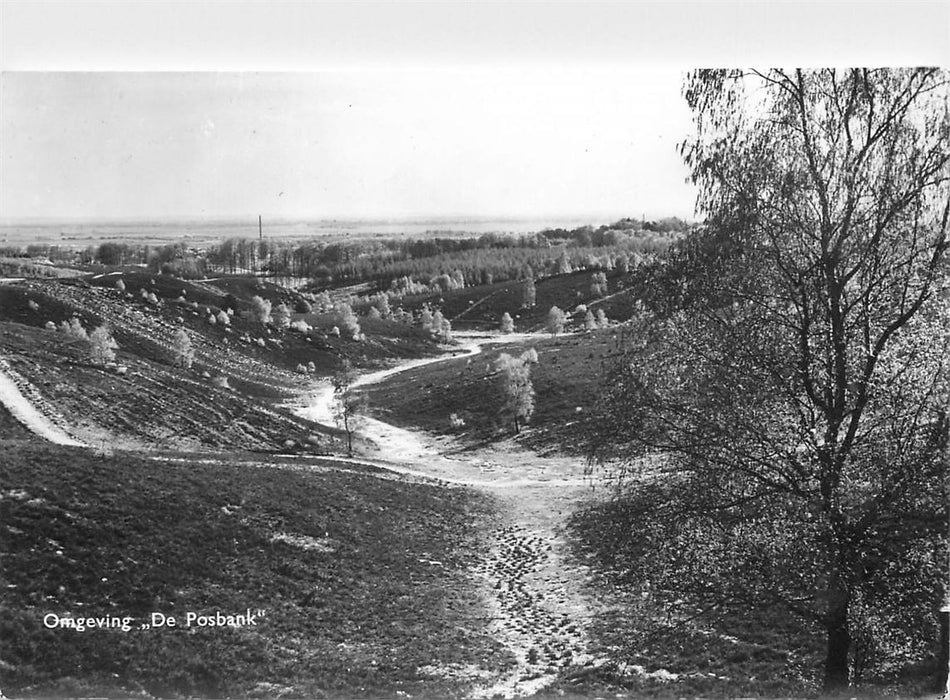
(791, 378)
(438, 263)
(614, 234)
(102, 345)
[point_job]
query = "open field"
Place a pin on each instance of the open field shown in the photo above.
(197, 232)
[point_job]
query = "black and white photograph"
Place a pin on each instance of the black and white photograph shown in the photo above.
(391, 350)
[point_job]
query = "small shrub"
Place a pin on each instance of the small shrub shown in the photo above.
(590, 323)
(260, 309)
(529, 294)
(74, 329)
(555, 320)
(102, 346)
(221, 381)
(281, 316)
(598, 284)
(347, 319)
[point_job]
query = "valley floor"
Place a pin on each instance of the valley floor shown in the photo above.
(537, 594)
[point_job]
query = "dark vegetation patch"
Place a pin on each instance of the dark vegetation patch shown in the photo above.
(362, 578)
(12, 429)
(565, 381)
(724, 649)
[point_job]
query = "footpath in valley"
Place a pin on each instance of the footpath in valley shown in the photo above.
(535, 592)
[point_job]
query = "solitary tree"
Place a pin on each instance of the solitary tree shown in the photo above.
(517, 390)
(530, 293)
(181, 346)
(348, 408)
(794, 379)
(507, 324)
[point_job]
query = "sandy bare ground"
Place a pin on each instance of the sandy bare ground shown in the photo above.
(23, 409)
(534, 592)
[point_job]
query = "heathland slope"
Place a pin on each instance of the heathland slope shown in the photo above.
(345, 611)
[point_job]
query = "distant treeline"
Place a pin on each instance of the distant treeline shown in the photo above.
(480, 260)
(397, 261)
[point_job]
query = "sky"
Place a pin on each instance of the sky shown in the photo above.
(560, 140)
(392, 108)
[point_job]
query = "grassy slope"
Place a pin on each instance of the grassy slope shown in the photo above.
(481, 307)
(356, 615)
(146, 329)
(153, 404)
(158, 403)
(12, 429)
(566, 378)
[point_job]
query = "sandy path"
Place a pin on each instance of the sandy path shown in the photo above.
(533, 589)
(24, 411)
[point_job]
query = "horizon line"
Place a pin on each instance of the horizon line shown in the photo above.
(382, 218)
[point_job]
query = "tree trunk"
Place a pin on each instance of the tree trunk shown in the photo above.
(349, 435)
(943, 657)
(839, 645)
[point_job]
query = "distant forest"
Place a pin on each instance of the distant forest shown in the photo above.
(397, 261)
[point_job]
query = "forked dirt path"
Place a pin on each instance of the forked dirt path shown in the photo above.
(534, 591)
